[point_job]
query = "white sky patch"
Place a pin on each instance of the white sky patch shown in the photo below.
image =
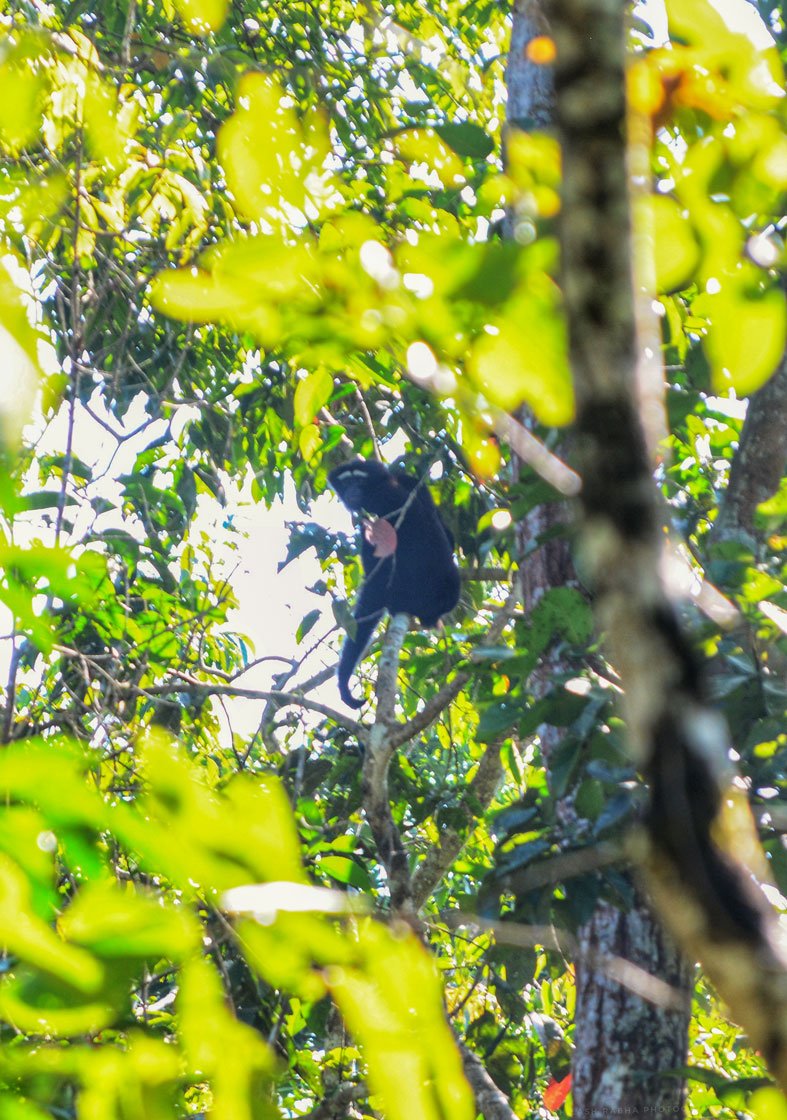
(271, 604)
(421, 362)
(739, 15)
(17, 383)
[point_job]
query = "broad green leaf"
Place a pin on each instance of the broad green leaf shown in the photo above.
(311, 394)
(424, 145)
(768, 1104)
(16, 1108)
(35, 1005)
(202, 16)
(729, 67)
(195, 296)
(524, 360)
(23, 83)
(285, 953)
(698, 21)
(51, 776)
(126, 923)
(392, 1003)
(18, 348)
(746, 336)
(496, 719)
(218, 1047)
(309, 441)
(33, 941)
(138, 1081)
(466, 139)
(344, 869)
(675, 249)
(268, 161)
(103, 121)
(274, 268)
(263, 827)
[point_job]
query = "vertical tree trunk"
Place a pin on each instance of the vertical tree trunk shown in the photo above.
(624, 1041)
(692, 862)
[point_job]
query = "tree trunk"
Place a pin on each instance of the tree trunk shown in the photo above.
(623, 1041)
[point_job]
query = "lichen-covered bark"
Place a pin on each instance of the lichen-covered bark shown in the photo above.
(530, 90)
(629, 1042)
(712, 904)
(759, 464)
(622, 1041)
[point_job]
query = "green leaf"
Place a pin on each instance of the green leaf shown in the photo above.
(22, 88)
(746, 336)
(467, 139)
(47, 499)
(697, 21)
(345, 870)
(497, 718)
(309, 441)
(269, 158)
(676, 252)
(37, 1005)
(311, 394)
(308, 622)
(768, 1104)
(525, 359)
(24, 934)
(203, 16)
(392, 1003)
(195, 296)
(126, 923)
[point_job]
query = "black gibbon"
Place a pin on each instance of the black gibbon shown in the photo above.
(418, 578)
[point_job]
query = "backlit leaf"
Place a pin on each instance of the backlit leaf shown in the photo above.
(203, 16)
(32, 940)
(745, 338)
(524, 360)
(675, 248)
(391, 1002)
(311, 394)
(268, 160)
(126, 923)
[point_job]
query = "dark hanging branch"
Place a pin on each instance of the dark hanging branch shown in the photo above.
(708, 897)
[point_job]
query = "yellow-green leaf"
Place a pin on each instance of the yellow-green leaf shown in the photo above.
(423, 145)
(675, 248)
(33, 1005)
(265, 155)
(23, 934)
(202, 16)
(103, 122)
(392, 1003)
(125, 923)
(746, 336)
(21, 91)
(768, 1103)
(309, 441)
(194, 295)
(525, 360)
(311, 393)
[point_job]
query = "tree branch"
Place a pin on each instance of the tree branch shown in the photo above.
(379, 751)
(476, 797)
(490, 1101)
(403, 732)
